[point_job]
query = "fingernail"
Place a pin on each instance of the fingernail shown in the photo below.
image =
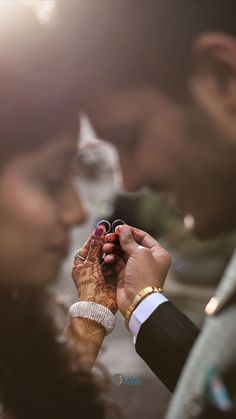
(123, 229)
(105, 224)
(117, 230)
(99, 231)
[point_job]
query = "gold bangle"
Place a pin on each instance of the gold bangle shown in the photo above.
(137, 300)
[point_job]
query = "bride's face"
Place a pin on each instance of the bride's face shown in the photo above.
(38, 207)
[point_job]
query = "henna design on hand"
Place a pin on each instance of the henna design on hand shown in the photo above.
(87, 336)
(93, 280)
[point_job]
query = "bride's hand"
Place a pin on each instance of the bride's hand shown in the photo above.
(91, 276)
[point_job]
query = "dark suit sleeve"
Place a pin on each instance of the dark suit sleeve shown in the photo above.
(164, 342)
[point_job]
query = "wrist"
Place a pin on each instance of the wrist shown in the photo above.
(82, 325)
(87, 336)
(139, 297)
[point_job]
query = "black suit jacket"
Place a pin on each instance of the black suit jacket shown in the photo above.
(164, 342)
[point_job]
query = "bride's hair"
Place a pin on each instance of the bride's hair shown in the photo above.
(41, 375)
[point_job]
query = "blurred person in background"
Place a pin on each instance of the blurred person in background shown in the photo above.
(43, 374)
(158, 81)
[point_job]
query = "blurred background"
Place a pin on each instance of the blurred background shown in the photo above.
(195, 272)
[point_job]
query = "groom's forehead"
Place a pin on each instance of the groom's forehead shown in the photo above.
(119, 115)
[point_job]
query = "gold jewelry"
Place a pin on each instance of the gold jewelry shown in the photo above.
(138, 299)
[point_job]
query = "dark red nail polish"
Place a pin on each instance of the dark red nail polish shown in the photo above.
(99, 231)
(105, 224)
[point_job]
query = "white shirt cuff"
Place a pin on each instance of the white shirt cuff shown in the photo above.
(143, 311)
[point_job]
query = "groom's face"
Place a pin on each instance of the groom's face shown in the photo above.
(174, 149)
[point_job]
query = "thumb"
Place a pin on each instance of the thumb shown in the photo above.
(127, 242)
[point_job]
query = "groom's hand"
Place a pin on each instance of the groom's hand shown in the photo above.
(144, 263)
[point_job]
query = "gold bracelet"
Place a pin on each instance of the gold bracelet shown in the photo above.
(137, 300)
